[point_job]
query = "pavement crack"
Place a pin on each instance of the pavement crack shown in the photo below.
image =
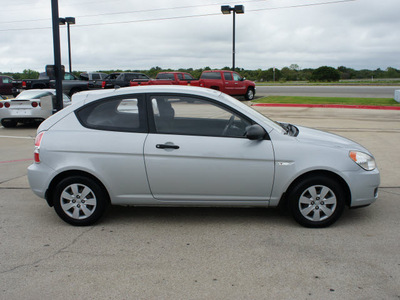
(385, 190)
(11, 179)
(62, 250)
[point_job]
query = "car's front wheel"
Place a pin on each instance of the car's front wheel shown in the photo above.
(249, 94)
(80, 200)
(317, 201)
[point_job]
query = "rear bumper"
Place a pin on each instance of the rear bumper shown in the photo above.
(22, 114)
(39, 177)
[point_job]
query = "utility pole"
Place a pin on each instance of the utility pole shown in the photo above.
(58, 105)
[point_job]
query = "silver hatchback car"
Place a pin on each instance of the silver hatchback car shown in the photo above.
(190, 146)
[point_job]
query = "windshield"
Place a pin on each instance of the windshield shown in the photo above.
(271, 123)
(30, 94)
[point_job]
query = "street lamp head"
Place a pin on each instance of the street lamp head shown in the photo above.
(61, 21)
(70, 20)
(239, 9)
(226, 9)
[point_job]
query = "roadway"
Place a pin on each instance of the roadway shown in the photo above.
(328, 91)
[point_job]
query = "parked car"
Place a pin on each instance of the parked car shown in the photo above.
(71, 84)
(27, 107)
(226, 81)
(91, 78)
(6, 85)
(104, 82)
(190, 146)
(120, 80)
(168, 78)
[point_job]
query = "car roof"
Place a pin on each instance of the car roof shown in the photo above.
(85, 97)
(93, 95)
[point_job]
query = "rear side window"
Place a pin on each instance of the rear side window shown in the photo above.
(188, 76)
(132, 76)
(211, 75)
(165, 76)
(227, 76)
(115, 114)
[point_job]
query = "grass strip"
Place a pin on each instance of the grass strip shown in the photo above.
(327, 100)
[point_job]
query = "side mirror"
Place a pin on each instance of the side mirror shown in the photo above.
(255, 132)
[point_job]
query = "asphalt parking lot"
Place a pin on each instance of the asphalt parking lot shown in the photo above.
(205, 253)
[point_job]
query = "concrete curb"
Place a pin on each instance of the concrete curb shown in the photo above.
(328, 106)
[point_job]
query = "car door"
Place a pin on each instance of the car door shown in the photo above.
(196, 151)
(229, 83)
(239, 85)
(116, 129)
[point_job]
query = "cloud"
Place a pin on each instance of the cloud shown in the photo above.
(358, 34)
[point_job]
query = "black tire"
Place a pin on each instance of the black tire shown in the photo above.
(249, 94)
(80, 201)
(317, 201)
(9, 123)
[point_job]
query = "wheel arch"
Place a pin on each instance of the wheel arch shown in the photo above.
(250, 88)
(69, 173)
(283, 203)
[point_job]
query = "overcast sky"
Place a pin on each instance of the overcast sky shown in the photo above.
(137, 34)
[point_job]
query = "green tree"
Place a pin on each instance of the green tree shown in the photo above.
(325, 73)
(30, 74)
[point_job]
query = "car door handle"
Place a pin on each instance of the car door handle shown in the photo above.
(166, 146)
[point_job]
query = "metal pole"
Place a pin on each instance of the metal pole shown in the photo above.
(57, 55)
(69, 49)
(233, 42)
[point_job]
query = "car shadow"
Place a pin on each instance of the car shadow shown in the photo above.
(196, 215)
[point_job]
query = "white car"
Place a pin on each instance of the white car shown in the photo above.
(27, 107)
(190, 146)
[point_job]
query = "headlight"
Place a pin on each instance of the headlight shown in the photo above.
(365, 161)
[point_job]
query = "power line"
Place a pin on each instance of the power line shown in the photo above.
(137, 11)
(183, 17)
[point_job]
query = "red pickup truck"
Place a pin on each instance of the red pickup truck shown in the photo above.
(167, 78)
(228, 82)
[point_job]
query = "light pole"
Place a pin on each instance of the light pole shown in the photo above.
(226, 10)
(57, 56)
(68, 20)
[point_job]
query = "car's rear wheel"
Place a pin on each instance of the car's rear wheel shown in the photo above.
(9, 123)
(249, 94)
(80, 200)
(317, 201)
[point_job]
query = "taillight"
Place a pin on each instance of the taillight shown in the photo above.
(103, 84)
(7, 104)
(24, 84)
(38, 141)
(1, 105)
(34, 104)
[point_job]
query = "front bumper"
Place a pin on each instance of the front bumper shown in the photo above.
(363, 187)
